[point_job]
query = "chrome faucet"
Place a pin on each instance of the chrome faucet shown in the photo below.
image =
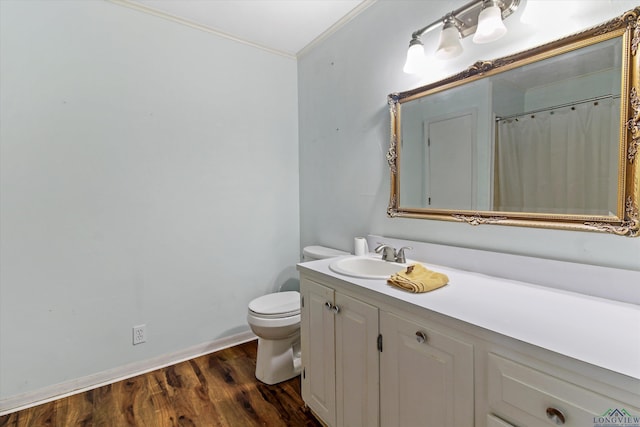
(390, 254)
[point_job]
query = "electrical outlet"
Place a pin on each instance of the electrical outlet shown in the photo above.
(139, 334)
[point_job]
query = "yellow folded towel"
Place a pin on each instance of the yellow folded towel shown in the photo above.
(417, 279)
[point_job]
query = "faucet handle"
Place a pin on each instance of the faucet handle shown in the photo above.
(381, 247)
(400, 256)
(388, 252)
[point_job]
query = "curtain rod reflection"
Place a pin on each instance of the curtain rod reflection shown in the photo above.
(569, 104)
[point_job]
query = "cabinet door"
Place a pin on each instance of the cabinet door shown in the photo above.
(426, 377)
(357, 359)
(318, 350)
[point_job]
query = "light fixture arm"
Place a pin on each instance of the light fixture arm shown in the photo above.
(450, 15)
(466, 16)
(451, 20)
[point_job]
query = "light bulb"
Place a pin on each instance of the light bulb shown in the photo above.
(449, 45)
(490, 25)
(415, 57)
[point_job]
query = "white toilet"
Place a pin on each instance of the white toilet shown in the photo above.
(275, 319)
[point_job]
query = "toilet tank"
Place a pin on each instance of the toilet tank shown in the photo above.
(311, 253)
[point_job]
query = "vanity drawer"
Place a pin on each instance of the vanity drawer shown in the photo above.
(529, 397)
(493, 421)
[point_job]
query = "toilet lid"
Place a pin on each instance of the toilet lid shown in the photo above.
(279, 303)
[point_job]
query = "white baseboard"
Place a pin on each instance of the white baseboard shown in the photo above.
(79, 385)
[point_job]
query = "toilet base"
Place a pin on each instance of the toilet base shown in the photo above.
(278, 360)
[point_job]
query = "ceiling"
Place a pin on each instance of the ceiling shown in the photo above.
(285, 27)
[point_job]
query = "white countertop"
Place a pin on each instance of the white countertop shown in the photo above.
(598, 331)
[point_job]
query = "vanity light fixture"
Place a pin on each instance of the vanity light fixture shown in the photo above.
(449, 45)
(415, 56)
(490, 25)
(481, 18)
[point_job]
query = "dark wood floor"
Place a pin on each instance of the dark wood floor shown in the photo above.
(218, 389)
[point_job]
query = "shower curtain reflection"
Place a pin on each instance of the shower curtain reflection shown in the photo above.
(561, 161)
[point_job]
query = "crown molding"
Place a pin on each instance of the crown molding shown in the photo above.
(335, 27)
(197, 26)
(177, 19)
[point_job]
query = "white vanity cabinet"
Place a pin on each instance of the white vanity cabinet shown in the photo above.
(339, 356)
(374, 355)
(426, 375)
(361, 363)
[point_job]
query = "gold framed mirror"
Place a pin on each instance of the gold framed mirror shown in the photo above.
(548, 137)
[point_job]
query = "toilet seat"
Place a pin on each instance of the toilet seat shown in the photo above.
(277, 305)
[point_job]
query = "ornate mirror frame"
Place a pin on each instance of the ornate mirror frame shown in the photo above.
(626, 222)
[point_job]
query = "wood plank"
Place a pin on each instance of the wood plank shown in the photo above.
(217, 390)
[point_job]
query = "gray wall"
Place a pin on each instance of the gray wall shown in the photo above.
(149, 174)
(344, 131)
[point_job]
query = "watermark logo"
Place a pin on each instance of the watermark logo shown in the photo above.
(616, 418)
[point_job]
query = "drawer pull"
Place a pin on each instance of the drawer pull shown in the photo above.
(556, 416)
(421, 337)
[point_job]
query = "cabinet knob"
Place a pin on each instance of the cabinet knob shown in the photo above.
(421, 337)
(556, 416)
(334, 308)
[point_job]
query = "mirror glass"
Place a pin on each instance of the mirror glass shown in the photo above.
(539, 137)
(509, 142)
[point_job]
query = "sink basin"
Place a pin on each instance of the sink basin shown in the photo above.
(366, 267)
